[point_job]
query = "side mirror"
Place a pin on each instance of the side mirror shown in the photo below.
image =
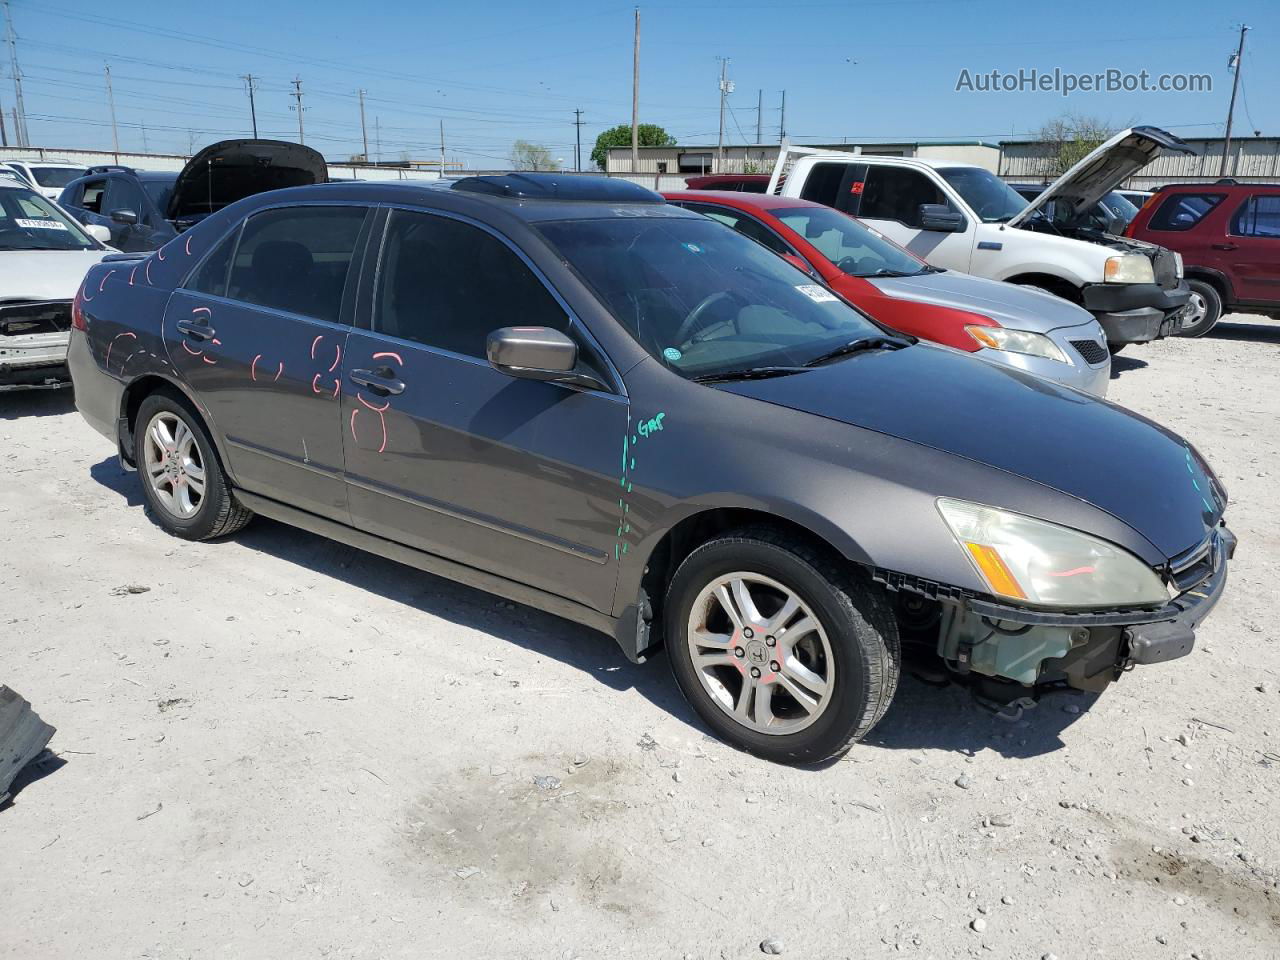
(940, 218)
(532, 353)
(98, 232)
(127, 217)
(798, 263)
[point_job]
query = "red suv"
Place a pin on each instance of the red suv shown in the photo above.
(1229, 236)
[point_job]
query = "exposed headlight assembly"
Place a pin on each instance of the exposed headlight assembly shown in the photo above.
(1177, 264)
(1017, 341)
(1129, 268)
(1042, 564)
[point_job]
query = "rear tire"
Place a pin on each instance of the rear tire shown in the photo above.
(182, 481)
(831, 665)
(1204, 309)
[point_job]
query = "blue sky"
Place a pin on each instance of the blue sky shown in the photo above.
(499, 71)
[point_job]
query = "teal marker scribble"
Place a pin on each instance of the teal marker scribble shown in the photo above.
(644, 429)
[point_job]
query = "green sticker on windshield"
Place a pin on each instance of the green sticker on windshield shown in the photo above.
(672, 354)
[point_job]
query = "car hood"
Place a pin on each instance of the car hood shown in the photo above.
(1018, 308)
(1145, 476)
(44, 274)
(1104, 169)
(231, 170)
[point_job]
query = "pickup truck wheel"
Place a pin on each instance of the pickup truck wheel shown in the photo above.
(1203, 309)
(780, 650)
(182, 481)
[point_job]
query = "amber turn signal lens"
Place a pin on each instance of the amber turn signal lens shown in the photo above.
(998, 575)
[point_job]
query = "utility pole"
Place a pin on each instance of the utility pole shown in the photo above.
(726, 87)
(760, 117)
(248, 78)
(1235, 85)
(442, 147)
(145, 148)
(782, 119)
(635, 98)
(297, 95)
(4, 135)
(364, 131)
(377, 139)
(577, 150)
(19, 109)
(111, 102)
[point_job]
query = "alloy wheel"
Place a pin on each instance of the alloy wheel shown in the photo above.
(760, 653)
(173, 465)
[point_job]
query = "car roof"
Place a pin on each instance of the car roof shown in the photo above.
(739, 199)
(538, 203)
(156, 174)
(1214, 186)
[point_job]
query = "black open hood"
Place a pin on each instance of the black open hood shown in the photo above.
(231, 170)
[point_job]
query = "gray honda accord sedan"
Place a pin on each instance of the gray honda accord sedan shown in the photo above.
(566, 392)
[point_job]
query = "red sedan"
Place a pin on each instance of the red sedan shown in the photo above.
(1017, 326)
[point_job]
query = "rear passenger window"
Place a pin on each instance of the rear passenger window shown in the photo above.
(91, 199)
(296, 259)
(1258, 217)
(836, 185)
(1182, 211)
(896, 193)
(449, 285)
(211, 278)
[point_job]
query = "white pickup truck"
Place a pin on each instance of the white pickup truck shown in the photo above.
(963, 217)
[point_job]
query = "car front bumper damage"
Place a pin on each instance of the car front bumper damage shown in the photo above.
(1137, 312)
(1085, 650)
(33, 342)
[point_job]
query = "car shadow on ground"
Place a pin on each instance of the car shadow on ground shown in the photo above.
(1257, 332)
(19, 402)
(922, 716)
(1121, 365)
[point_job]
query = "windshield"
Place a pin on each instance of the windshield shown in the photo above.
(851, 246)
(159, 191)
(30, 222)
(703, 299)
(56, 176)
(993, 200)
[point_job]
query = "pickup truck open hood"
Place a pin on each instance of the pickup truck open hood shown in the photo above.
(1104, 169)
(1139, 472)
(231, 170)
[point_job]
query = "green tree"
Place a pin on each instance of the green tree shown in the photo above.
(531, 156)
(1068, 139)
(648, 134)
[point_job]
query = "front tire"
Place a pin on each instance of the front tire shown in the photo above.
(182, 481)
(781, 651)
(1204, 309)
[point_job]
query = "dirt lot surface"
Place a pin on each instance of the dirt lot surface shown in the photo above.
(287, 748)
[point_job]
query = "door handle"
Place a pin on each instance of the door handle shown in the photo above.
(1225, 246)
(198, 331)
(382, 386)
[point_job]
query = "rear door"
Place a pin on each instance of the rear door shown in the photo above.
(259, 332)
(1255, 232)
(446, 454)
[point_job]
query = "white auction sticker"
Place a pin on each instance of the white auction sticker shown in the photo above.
(816, 293)
(40, 224)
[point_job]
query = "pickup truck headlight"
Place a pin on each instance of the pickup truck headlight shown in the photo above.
(1042, 564)
(1129, 268)
(1017, 341)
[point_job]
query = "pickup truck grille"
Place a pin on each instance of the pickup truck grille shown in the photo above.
(1093, 353)
(1166, 269)
(24, 318)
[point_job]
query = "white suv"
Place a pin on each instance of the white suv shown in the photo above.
(47, 177)
(964, 217)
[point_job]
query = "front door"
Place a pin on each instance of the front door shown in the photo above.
(1255, 232)
(446, 454)
(890, 200)
(259, 334)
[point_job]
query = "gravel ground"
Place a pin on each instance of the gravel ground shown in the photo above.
(287, 748)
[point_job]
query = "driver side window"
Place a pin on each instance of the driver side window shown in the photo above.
(896, 193)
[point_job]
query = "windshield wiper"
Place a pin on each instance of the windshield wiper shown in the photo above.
(750, 373)
(858, 346)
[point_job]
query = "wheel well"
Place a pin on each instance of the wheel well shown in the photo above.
(691, 532)
(1214, 281)
(131, 402)
(1046, 281)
